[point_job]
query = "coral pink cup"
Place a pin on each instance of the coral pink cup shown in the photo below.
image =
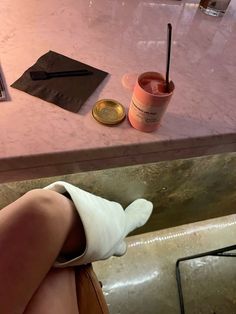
(148, 105)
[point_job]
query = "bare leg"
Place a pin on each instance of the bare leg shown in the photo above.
(33, 230)
(56, 295)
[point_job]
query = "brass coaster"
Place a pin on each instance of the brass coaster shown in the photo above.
(108, 111)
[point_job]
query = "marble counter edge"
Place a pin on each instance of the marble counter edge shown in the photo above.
(118, 151)
(32, 167)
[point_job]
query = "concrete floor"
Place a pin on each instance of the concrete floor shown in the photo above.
(185, 193)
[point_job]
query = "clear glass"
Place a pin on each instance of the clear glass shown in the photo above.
(214, 7)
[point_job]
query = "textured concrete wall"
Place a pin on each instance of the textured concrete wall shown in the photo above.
(182, 191)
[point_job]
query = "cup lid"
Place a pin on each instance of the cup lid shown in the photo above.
(108, 111)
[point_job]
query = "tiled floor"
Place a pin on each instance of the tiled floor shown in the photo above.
(183, 191)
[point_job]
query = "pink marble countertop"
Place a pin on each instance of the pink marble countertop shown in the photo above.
(40, 139)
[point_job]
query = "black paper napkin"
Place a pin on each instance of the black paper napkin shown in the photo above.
(67, 92)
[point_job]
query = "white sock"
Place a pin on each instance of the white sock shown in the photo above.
(137, 214)
(105, 223)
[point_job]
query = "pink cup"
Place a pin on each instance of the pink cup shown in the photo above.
(147, 107)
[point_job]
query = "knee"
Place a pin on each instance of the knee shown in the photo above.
(43, 204)
(41, 198)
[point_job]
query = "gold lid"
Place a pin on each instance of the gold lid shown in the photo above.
(108, 111)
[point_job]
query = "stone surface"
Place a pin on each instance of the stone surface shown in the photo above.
(41, 139)
(143, 280)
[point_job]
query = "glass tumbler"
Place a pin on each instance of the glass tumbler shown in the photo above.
(214, 7)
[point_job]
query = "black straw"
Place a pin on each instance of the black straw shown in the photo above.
(169, 34)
